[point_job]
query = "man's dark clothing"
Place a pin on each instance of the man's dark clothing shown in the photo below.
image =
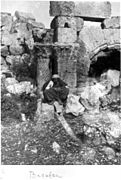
(58, 92)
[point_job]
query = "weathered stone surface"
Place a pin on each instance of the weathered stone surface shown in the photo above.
(61, 8)
(95, 11)
(73, 106)
(4, 51)
(43, 60)
(91, 11)
(91, 94)
(38, 34)
(23, 16)
(16, 49)
(67, 22)
(10, 81)
(7, 38)
(69, 78)
(79, 23)
(34, 24)
(107, 122)
(92, 36)
(48, 36)
(63, 22)
(112, 36)
(22, 31)
(45, 112)
(111, 78)
(6, 21)
(19, 88)
(45, 36)
(112, 23)
(65, 35)
(11, 59)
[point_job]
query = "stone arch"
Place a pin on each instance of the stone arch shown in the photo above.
(103, 57)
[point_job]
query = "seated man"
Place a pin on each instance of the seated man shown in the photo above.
(55, 90)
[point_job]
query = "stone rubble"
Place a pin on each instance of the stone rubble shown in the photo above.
(73, 106)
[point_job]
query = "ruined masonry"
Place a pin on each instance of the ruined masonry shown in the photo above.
(70, 48)
(75, 45)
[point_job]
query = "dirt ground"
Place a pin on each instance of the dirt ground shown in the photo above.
(25, 143)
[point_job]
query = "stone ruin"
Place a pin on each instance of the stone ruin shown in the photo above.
(76, 50)
(69, 48)
(79, 53)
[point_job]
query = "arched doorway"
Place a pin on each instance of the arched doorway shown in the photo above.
(105, 59)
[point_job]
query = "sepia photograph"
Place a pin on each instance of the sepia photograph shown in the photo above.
(60, 83)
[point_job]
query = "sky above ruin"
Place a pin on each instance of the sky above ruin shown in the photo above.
(40, 9)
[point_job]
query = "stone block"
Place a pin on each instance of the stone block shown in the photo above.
(7, 39)
(79, 23)
(44, 113)
(23, 16)
(92, 37)
(65, 35)
(43, 71)
(16, 49)
(67, 22)
(112, 23)
(6, 21)
(93, 11)
(11, 59)
(4, 51)
(112, 36)
(63, 22)
(62, 8)
(22, 31)
(34, 24)
(69, 78)
(90, 11)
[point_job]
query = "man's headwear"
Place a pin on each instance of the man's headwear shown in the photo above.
(55, 76)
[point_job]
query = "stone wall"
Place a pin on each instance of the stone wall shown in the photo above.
(18, 35)
(68, 48)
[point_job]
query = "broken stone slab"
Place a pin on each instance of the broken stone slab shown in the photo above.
(65, 35)
(6, 21)
(62, 8)
(45, 112)
(23, 16)
(4, 51)
(112, 23)
(73, 105)
(22, 31)
(34, 24)
(19, 88)
(110, 78)
(90, 96)
(93, 11)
